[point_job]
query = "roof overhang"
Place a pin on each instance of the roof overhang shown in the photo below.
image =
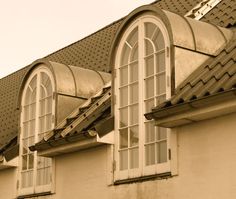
(4, 164)
(78, 142)
(212, 106)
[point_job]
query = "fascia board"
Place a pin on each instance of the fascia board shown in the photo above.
(198, 114)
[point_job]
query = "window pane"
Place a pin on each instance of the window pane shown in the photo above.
(49, 105)
(47, 175)
(24, 162)
(134, 159)
(134, 136)
(133, 93)
(150, 132)
(149, 65)
(123, 76)
(160, 99)
(123, 138)
(134, 53)
(134, 72)
(26, 179)
(133, 37)
(40, 162)
(148, 47)
(162, 152)
(42, 124)
(32, 111)
(124, 96)
(161, 133)
(150, 154)
(42, 92)
(123, 117)
(33, 96)
(161, 84)
(149, 104)
(124, 160)
(25, 129)
(125, 55)
(31, 141)
(33, 82)
(159, 41)
(40, 136)
(23, 179)
(31, 161)
(30, 178)
(134, 114)
(32, 127)
(48, 122)
(160, 62)
(41, 176)
(42, 109)
(24, 146)
(149, 29)
(149, 87)
(26, 113)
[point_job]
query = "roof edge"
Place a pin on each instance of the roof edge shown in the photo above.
(185, 113)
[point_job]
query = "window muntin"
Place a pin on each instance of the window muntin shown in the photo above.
(36, 119)
(141, 84)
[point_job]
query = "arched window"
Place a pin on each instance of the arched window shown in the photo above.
(142, 82)
(37, 117)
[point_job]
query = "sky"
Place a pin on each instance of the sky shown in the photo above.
(32, 29)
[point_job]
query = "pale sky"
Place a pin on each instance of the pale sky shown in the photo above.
(32, 29)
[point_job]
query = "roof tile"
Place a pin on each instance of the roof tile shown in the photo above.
(210, 78)
(224, 14)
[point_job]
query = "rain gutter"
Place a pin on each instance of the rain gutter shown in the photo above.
(207, 107)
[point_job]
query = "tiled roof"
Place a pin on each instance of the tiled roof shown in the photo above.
(224, 14)
(9, 116)
(81, 122)
(215, 76)
(92, 52)
(177, 6)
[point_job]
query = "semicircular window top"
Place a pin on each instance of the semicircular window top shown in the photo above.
(142, 82)
(37, 118)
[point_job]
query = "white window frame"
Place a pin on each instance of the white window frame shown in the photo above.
(143, 170)
(35, 189)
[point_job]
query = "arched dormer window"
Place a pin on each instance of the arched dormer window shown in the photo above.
(142, 65)
(37, 117)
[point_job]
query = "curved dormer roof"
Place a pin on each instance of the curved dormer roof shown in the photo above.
(183, 32)
(70, 80)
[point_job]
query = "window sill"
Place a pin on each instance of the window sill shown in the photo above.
(34, 195)
(144, 178)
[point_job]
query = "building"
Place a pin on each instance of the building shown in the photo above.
(143, 108)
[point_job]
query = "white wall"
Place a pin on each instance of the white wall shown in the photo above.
(206, 162)
(8, 183)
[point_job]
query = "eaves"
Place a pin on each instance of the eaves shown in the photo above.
(218, 104)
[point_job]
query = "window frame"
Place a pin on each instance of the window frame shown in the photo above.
(36, 189)
(142, 170)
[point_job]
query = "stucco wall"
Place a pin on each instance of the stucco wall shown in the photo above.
(8, 183)
(206, 163)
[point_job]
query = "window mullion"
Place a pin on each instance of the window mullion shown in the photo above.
(36, 127)
(141, 94)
